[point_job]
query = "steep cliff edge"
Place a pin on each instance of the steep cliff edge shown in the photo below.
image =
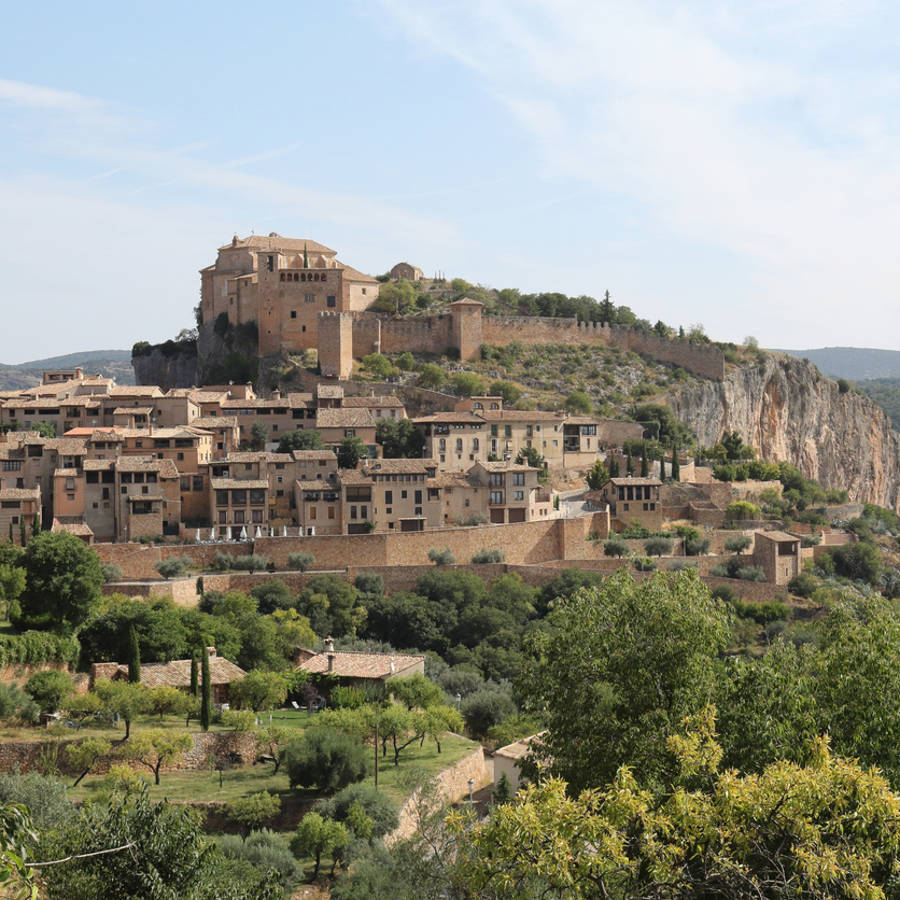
(787, 410)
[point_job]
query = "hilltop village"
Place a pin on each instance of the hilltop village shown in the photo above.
(217, 464)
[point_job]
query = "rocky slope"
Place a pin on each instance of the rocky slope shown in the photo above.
(787, 410)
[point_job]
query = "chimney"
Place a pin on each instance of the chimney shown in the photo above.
(210, 652)
(329, 649)
(276, 394)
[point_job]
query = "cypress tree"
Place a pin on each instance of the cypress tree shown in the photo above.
(629, 464)
(22, 537)
(35, 524)
(134, 657)
(613, 466)
(10, 531)
(645, 463)
(195, 687)
(206, 696)
(675, 471)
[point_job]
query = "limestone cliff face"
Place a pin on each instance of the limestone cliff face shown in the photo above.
(786, 410)
(165, 367)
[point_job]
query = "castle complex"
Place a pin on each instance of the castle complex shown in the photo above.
(301, 297)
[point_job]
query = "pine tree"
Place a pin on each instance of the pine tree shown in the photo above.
(675, 472)
(134, 656)
(629, 464)
(206, 688)
(645, 463)
(195, 687)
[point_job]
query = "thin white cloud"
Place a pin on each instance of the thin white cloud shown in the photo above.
(726, 123)
(34, 96)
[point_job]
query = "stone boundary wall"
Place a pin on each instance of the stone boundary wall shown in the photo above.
(25, 756)
(182, 590)
(19, 673)
(139, 560)
(454, 786)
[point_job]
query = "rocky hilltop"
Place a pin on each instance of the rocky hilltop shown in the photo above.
(787, 410)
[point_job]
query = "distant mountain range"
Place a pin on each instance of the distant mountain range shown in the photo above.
(855, 363)
(109, 363)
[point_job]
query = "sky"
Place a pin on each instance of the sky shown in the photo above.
(731, 164)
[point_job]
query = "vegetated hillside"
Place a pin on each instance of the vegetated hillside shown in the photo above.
(852, 362)
(886, 393)
(109, 363)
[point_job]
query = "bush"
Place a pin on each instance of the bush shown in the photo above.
(644, 563)
(468, 383)
(264, 849)
(44, 797)
(375, 804)
(696, 546)
(377, 364)
(507, 390)
(741, 510)
(406, 361)
(251, 562)
(172, 566)
(431, 376)
(751, 573)
(485, 708)
(16, 705)
(222, 562)
(811, 540)
(441, 557)
(300, 561)
(347, 697)
(488, 556)
(679, 565)
(48, 689)
(111, 572)
(579, 403)
(615, 548)
(739, 543)
(325, 759)
(658, 546)
(803, 584)
(723, 592)
(473, 519)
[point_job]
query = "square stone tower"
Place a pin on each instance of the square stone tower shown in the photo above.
(335, 342)
(466, 331)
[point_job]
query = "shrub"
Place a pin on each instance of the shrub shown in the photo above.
(644, 563)
(222, 562)
(251, 562)
(264, 849)
(741, 510)
(48, 689)
(111, 572)
(579, 402)
(696, 546)
(723, 592)
(377, 364)
(406, 362)
(431, 376)
(172, 566)
(803, 584)
(811, 540)
(325, 759)
(476, 518)
(16, 705)
(44, 797)
(254, 809)
(441, 557)
(488, 556)
(347, 697)
(658, 546)
(375, 804)
(615, 548)
(738, 543)
(679, 565)
(485, 708)
(507, 390)
(751, 573)
(468, 383)
(300, 561)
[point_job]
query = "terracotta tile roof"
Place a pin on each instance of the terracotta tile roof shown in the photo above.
(277, 242)
(98, 465)
(466, 301)
(176, 673)
(257, 456)
(361, 665)
(518, 749)
(129, 410)
(78, 528)
(309, 455)
(504, 466)
(452, 416)
(632, 480)
(522, 415)
(777, 535)
(221, 484)
(140, 498)
(66, 446)
(329, 391)
(20, 493)
(67, 473)
(392, 466)
(344, 418)
(391, 400)
(352, 274)
(165, 467)
(201, 396)
(352, 476)
(135, 390)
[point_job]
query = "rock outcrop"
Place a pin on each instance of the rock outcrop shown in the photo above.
(787, 410)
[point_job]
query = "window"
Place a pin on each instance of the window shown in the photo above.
(256, 515)
(352, 512)
(496, 479)
(239, 517)
(402, 495)
(222, 516)
(293, 313)
(257, 496)
(181, 457)
(238, 498)
(331, 301)
(496, 497)
(270, 263)
(312, 512)
(309, 298)
(388, 497)
(330, 512)
(418, 497)
(198, 482)
(518, 495)
(221, 498)
(518, 478)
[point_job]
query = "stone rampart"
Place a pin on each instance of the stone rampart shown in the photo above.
(139, 560)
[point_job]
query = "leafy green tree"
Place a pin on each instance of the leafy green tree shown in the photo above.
(597, 475)
(377, 806)
(658, 546)
(332, 605)
(738, 543)
(252, 811)
(441, 557)
(62, 580)
(325, 759)
(416, 691)
(16, 705)
(172, 566)
(167, 701)
(350, 451)
(84, 755)
(860, 561)
(259, 434)
(485, 708)
(271, 595)
(618, 667)
(578, 403)
(12, 579)
(823, 829)
(396, 297)
(123, 699)
(531, 456)
(317, 836)
(259, 690)
(468, 384)
(205, 690)
(195, 679)
(134, 656)
(431, 376)
(399, 439)
(629, 464)
(155, 748)
(676, 470)
(272, 741)
(615, 548)
(49, 688)
(406, 362)
(251, 562)
(378, 364)
(741, 510)
(300, 439)
(300, 561)
(507, 390)
(645, 463)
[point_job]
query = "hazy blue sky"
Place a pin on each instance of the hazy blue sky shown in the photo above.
(734, 164)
